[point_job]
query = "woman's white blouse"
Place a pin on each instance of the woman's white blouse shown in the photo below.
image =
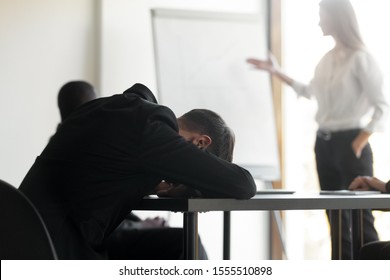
(348, 87)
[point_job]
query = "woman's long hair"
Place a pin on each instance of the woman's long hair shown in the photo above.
(345, 21)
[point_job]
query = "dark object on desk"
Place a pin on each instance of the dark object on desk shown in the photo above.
(23, 234)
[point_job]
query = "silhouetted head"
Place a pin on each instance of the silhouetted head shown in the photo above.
(72, 95)
(207, 130)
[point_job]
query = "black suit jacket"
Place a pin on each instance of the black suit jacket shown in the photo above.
(109, 154)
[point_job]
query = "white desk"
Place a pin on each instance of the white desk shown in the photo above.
(191, 207)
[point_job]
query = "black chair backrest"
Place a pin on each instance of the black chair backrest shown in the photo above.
(23, 234)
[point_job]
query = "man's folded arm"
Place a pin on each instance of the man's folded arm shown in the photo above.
(167, 154)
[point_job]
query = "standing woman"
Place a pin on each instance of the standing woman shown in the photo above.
(347, 85)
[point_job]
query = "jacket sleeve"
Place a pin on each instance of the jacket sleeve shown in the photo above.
(167, 154)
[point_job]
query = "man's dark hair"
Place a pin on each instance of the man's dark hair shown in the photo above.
(209, 123)
(72, 95)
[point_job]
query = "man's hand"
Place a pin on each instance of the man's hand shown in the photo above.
(162, 187)
(365, 183)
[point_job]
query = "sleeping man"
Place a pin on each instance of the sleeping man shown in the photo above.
(107, 156)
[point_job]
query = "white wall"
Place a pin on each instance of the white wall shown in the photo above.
(43, 44)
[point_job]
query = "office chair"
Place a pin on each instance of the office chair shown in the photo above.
(23, 234)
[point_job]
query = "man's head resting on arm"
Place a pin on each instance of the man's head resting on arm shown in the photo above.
(208, 131)
(201, 127)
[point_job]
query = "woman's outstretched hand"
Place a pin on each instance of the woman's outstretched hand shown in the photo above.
(271, 65)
